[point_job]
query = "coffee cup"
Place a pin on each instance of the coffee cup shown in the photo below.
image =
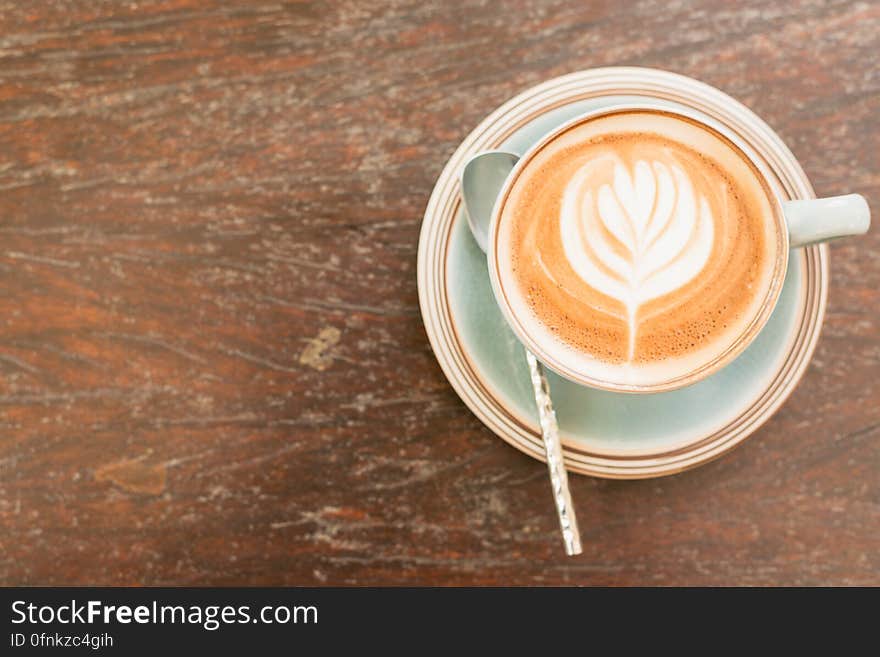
(640, 249)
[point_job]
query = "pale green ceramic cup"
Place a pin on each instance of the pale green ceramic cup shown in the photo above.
(803, 222)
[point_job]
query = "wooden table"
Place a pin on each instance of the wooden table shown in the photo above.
(212, 364)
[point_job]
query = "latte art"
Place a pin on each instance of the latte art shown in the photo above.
(638, 247)
(643, 235)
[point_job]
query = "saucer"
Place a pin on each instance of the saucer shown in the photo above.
(606, 434)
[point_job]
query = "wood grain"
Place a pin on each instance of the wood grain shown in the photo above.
(212, 365)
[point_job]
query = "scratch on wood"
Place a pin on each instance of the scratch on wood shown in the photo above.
(318, 353)
(41, 259)
(259, 361)
(17, 362)
(146, 339)
(340, 307)
(134, 476)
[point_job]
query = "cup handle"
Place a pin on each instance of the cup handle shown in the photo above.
(823, 219)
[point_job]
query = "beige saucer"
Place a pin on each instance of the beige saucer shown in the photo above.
(610, 434)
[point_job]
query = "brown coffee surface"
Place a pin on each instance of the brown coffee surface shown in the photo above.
(641, 240)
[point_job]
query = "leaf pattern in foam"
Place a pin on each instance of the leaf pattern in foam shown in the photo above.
(642, 236)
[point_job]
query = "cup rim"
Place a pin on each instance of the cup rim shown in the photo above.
(721, 360)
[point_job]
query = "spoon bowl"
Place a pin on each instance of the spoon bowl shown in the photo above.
(481, 179)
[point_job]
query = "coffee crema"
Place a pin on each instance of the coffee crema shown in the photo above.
(640, 244)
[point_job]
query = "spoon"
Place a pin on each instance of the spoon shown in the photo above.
(481, 179)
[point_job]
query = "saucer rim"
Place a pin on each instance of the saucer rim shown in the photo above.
(442, 210)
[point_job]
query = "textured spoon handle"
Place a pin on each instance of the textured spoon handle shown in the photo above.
(553, 449)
